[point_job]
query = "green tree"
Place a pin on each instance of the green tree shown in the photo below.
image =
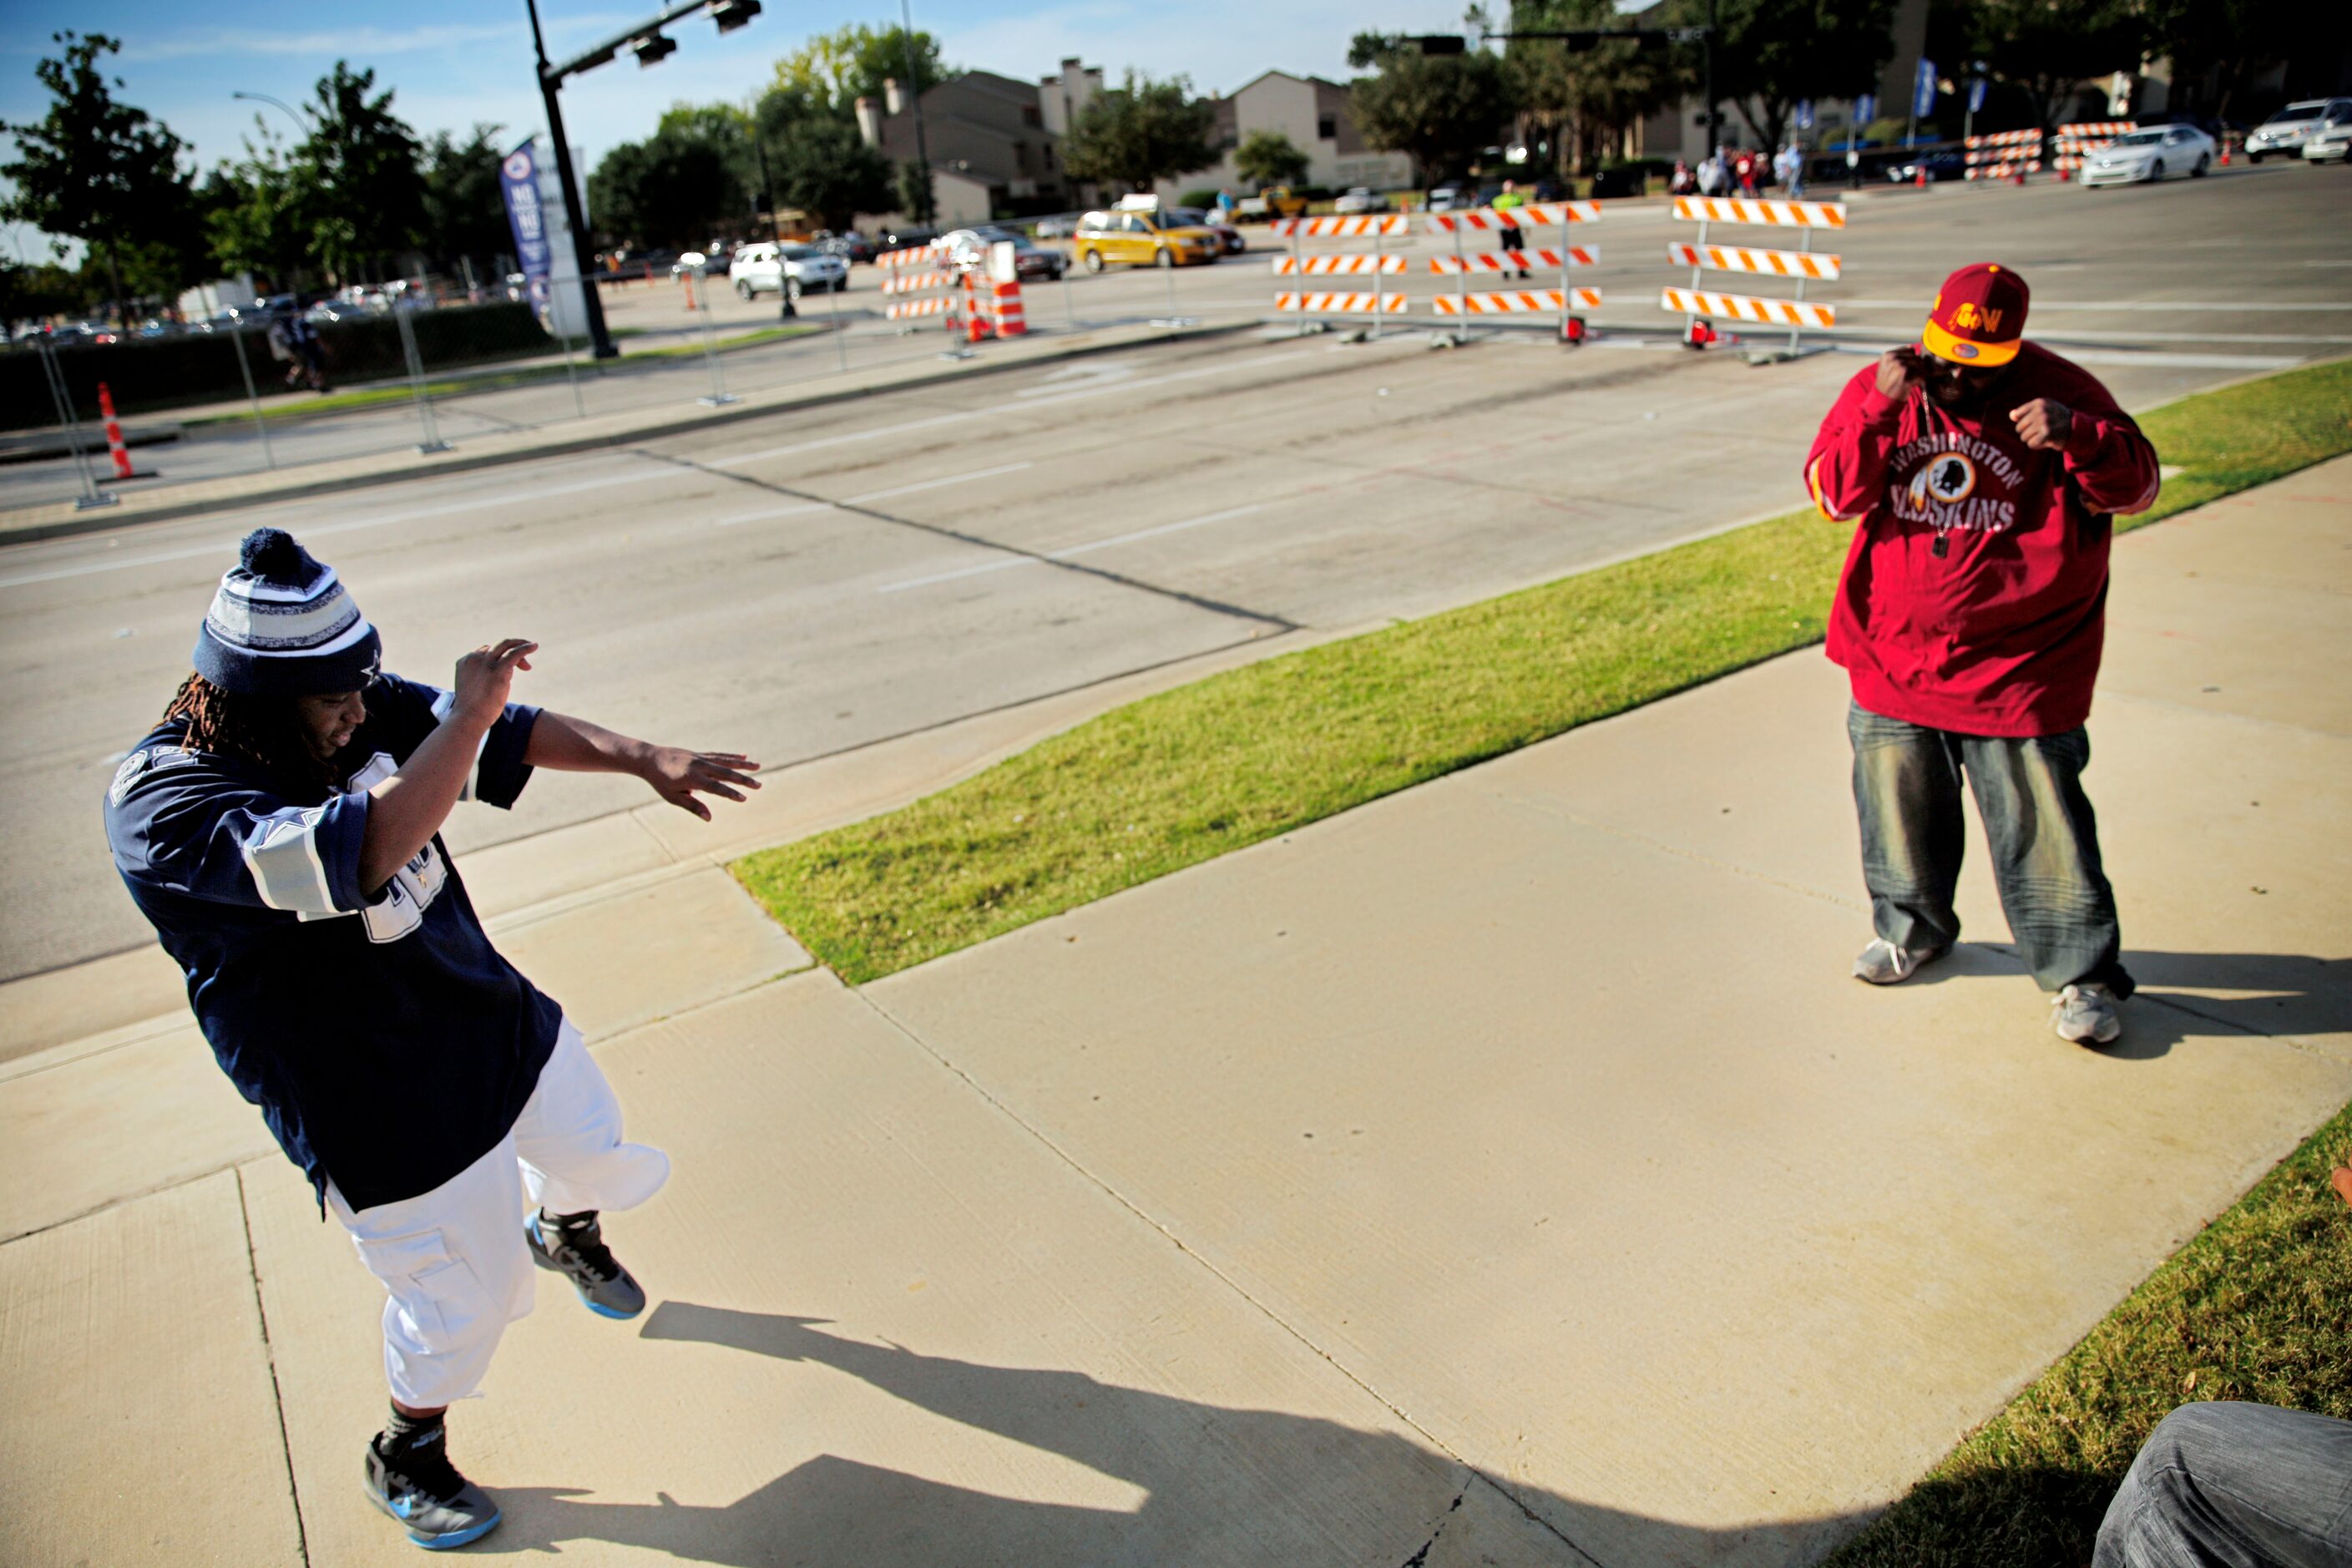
(1270, 158)
(2048, 49)
(1771, 53)
(917, 197)
(825, 168)
(358, 193)
(1437, 110)
(101, 171)
(837, 69)
(464, 208)
(1140, 131)
(680, 185)
(2232, 42)
(249, 221)
(43, 288)
(1583, 101)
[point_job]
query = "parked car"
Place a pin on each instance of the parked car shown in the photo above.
(907, 239)
(1940, 166)
(1360, 199)
(1137, 237)
(1228, 237)
(1060, 228)
(1031, 262)
(1273, 201)
(789, 270)
(851, 247)
(702, 263)
(2285, 132)
(2329, 144)
(2149, 154)
(1449, 198)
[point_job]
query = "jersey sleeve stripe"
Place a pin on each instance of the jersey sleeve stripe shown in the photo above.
(283, 857)
(444, 704)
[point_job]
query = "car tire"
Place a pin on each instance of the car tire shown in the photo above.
(743, 289)
(1093, 258)
(2204, 162)
(2156, 171)
(2256, 157)
(1164, 258)
(841, 285)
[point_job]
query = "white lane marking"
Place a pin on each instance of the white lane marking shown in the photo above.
(801, 508)
(1009, 407)
(1074, 551)
(312, 530)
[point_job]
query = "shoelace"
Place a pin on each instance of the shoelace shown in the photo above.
(586, 1246)
(426, 1470)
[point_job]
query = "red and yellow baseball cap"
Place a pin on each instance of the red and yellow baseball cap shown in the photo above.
(1978, 318)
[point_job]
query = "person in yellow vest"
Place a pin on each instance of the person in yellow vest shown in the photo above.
(1514, 243)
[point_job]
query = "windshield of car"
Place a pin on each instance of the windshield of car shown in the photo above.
(1182, 215)
(794, 252)
(2294, 111)
(2139, 139)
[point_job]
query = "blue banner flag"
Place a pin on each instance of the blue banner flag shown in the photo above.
(518, 180)
(1865, 108)
(1805, 114)
(1923, 89)
(1977, 96)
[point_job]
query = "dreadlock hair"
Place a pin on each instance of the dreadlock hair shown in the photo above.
(263, 730)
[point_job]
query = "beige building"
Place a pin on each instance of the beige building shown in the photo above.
(1314, 115)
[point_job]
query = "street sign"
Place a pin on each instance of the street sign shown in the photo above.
(1977, 96)
(1923, 88)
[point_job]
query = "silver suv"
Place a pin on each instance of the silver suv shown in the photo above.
(2285, 132)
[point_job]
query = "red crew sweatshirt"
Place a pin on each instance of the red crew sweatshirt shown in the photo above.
(1974, 598)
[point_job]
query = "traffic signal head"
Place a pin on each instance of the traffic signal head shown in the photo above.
(653, 48)
(733, 13)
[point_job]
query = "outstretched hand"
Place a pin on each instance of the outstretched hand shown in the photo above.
(486, 675)
(678, 775)
(2043, 424)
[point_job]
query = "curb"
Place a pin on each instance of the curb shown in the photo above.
(68, 524)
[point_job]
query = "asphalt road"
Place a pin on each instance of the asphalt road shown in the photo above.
(802, 586)
(2242, 270)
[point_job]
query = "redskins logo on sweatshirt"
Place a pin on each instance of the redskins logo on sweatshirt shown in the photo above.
(1947, 479)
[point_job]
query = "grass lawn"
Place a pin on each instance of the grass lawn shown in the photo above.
(1182, 777)
(2258, 1306)
(489, 381)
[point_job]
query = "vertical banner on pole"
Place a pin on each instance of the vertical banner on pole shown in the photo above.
(519, 182)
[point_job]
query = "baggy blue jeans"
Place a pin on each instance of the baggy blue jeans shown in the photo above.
(2037, 822)
(2235, 1486)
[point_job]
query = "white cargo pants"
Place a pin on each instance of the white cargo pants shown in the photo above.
(452, 1261)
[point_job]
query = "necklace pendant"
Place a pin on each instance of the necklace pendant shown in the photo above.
(1941, 548)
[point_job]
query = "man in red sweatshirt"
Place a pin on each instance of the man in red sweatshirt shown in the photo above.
(1982, 474)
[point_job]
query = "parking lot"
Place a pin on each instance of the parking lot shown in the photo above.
(807, 584)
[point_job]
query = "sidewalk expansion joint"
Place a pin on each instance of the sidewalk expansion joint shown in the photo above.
(269, 1356)
(1435, 1444)
(1116, 579)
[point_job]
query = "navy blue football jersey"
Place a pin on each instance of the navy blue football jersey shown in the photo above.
(387, 1042)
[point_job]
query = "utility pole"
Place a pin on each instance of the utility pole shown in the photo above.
(573, 218)
(930, 214)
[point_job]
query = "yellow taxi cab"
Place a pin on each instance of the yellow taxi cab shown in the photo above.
(1139, 236)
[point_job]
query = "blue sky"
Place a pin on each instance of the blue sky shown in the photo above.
(453, 63)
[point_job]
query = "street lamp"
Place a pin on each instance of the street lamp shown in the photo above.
(647, 43)
(300, 124)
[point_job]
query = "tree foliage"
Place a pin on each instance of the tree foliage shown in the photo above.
(678, 186)
(464, 208)
(825, 169)
(102, 172)
(2235, 41)
(357, 194)
(836, 68)
(917, 197)
(1770, 54)
(2049, 49)
(1138, 133)
(1437, 110)
(1583, 101)
(1270, 158)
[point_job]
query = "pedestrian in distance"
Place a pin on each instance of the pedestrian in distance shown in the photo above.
(1743, 168)
(1982, 474)
(1683, 183)
(1711, 176)
(1789, 167)
(280, 828)
(1514, 243)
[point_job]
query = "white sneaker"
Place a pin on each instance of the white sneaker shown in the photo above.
(2086, 1015)
(1884, 963)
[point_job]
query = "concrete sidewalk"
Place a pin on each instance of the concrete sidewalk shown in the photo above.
(1507, 1168)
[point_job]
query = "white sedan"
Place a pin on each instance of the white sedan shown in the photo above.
(2149, 154)
(789, 270)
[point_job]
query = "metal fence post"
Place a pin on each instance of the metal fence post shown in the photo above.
(720, 397)
(245, 369)
(563, 341)
(424, 399)
(833, 319)
(91, 495)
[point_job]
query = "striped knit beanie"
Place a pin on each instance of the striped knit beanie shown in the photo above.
(282, 625)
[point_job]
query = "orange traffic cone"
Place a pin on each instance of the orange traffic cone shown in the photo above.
(114, 446)
(688, 276)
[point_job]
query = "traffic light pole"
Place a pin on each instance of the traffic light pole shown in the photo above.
(549, 81)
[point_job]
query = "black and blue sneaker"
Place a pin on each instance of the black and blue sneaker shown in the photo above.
(411, 1479)
(573, 1245)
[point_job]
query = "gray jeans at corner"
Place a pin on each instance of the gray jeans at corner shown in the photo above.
(2235, 1486)
(2038, 822)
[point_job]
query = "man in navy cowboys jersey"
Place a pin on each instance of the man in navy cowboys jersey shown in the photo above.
(280, 828)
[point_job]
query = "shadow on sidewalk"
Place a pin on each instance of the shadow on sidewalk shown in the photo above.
(1239, 1507)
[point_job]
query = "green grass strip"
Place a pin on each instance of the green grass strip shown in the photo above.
(2258, 1306)
(1182, 777)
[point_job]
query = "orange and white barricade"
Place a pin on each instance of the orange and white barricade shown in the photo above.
(1695, 303)
(2004, 154)
(1379, 227)
(2077, 142)
(1482, 221)
(1006, 316)
(926, 273)
(1358, 303)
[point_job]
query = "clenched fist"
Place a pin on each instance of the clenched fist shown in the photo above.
(2043, 424)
